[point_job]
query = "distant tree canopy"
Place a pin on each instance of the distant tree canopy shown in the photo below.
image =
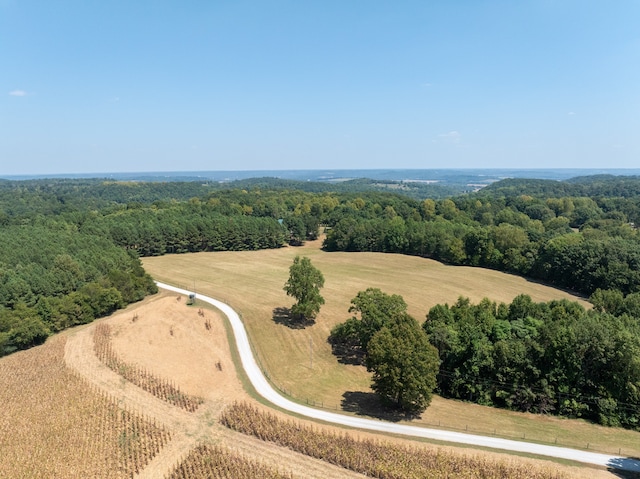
(584, 186)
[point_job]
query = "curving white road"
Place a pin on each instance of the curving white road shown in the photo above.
(263, 388)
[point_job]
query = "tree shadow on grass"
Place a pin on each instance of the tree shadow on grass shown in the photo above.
(619, 467)
(283, 316)
(369, 404)
(346, 352)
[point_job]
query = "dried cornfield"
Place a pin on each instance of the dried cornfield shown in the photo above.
(214, 462)
(384, 460)
(142, 378)
(55, 425)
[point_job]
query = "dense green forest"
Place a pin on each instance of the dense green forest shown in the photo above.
(54, 277)
(59, 196)
(551, 358)
(585, 186)
(70, 253)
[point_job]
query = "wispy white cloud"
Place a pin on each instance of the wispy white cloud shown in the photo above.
(451, 137)
(571, 113)
(18, 93)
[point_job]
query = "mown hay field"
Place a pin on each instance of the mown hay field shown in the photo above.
(300, 361)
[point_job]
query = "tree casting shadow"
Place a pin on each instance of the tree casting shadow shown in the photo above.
(283, 316)
(369, 404)
(346, 352)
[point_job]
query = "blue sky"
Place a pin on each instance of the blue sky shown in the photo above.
(123, 86)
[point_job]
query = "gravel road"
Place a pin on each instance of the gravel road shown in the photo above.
(263, 388)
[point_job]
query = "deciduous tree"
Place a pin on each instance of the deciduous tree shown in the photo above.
(304, 284)
(404, 364)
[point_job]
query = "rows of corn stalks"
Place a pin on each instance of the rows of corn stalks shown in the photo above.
(373, 458)
(215, 462)
(139, 376)
(139, 439)
(53, 424)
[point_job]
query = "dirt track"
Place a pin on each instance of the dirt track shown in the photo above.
(169, 338)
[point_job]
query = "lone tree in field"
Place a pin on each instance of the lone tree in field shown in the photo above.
(304, 285)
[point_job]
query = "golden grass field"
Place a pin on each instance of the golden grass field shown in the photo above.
(62, 414)
(300, 362)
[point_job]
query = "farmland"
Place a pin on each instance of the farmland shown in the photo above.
(187, 347)
(60, 397)
(252, 282)
(54, 424)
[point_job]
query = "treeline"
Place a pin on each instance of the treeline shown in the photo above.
(576, 243)
(549, 358)
(58, 196)
(587, 186)
(61, 269)
(185, 228)
(70, 249)
(53, 277)
(411, 189)
(552, 358)
(52, 197)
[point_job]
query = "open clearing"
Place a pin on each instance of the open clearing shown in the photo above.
(300, 363)
(252, 283)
